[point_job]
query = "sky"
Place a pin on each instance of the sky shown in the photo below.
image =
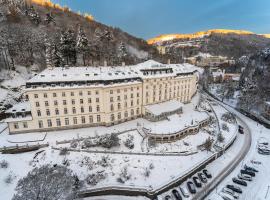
(150, 18)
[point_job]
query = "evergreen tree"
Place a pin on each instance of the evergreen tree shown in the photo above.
(68, 47)
(122, 52)
(49, 19)
(57, 60)
(82, 44)
(48, 53)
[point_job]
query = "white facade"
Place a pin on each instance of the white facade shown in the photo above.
(64, 98)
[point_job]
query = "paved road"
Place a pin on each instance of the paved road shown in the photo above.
(232, 165)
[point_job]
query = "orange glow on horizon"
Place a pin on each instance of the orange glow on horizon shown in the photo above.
(167, 37)
(48, 3)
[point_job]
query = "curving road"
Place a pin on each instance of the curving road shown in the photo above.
(233, 164)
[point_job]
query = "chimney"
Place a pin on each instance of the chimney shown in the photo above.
(105, 63)
(123, 64)
(169, 61)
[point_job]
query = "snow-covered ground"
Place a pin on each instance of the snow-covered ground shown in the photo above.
(86, 163)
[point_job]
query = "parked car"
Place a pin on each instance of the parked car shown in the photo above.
(226, 196)
(240, 129)
(231, 192)
(250, 168)
(244, 171)
(196, 181)
(176, 195)
(191, 187)
(239, 182)
(263, 152)
(244, 177)
(206, 173)
(235, 188)
(202, 177)
(168, 197)
(184, 191)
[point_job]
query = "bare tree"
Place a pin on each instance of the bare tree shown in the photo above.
(47, 183)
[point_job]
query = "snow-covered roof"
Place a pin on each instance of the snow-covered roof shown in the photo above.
(20, 107)
(168, 106)
(68, 74)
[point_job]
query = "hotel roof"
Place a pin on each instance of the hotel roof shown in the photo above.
(68, 74)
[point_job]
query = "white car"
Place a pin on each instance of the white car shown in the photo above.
(226, 196)
(231, 192)
(184, 191)
(245, 177)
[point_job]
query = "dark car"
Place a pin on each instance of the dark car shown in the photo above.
(239, 182)
(263, 152)
(244, 171)
(176, 195)
(202, 177)
(168, 197)
(191, 187)
(235, 188)
(240, 129)
(250, 168)
(197, 181)
(206, 173)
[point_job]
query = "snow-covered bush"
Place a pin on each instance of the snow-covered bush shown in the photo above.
(124, 175)
(93, 179)
(65, 162)
(225, 127)
(74, 144)
(109, 140)
(4, 164)
(86, 161)
(151, 166)
(47, 182)
(104, 162)
(9, 179)
(129, 142)
(220, 138)
(63, 151)
(228, 117)
(87, 143)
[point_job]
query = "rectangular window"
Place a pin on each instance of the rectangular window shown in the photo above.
(89, 100)
(118, 98)
(54, 95)
(83, 120)
(81, 101)
(55, 103)
(49, 123)
(98, 118)
(73, 101)
(72, 94)
(75, 120)
(46, 103)
(38, 113)
(40, 124)
(45, 95)
(91, 119)
(65, 111)
(89, 92)
(25, 125)
(56, 111)
(98, 109)
(97, 100)
(16, 126)
(111, 99)
(66, 121)
(64, 102)
(37, 104)
(80, 93)
(82, 109)
(90, 108)
(48, 112)
(63, 94)
(58, 122)
(74, 110)
(36, 96)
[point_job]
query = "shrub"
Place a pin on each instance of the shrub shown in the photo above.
(4, 164)
(63, 152)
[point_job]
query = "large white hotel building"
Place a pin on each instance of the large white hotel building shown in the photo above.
(74, 97)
